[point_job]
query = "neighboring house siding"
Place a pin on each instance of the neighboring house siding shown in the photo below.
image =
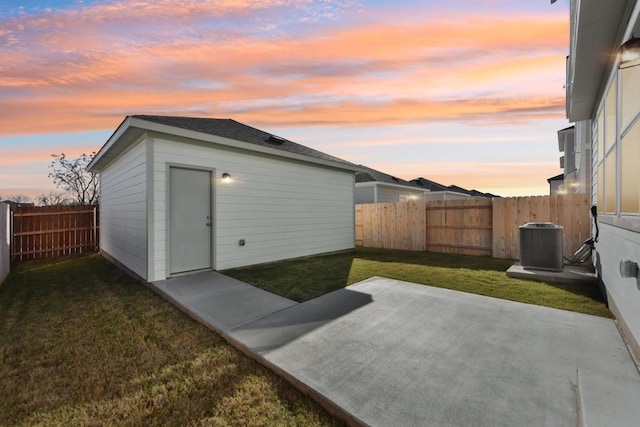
(282, 209)
(395, 194)
(378, 192)
(583, 156)
(554, 187)
(444, 195)
(365, 194)
(388, 195)
(123, 213)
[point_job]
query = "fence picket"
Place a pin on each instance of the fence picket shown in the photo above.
(472, 226)
(51, 231)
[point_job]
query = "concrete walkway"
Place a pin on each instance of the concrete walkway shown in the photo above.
(395, 353)
(220, 301)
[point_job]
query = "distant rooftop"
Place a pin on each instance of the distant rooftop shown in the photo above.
(428, 184)
(373, 175)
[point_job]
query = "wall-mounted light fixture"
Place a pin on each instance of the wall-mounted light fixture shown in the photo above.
(630, 53)
(226, 177)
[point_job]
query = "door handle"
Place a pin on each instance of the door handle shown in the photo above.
(208, 224)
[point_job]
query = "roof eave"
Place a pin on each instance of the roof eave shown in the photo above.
(127, 133)
(594, 38)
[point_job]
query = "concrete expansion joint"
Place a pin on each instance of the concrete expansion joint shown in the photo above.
(581, 422)
(271, 313)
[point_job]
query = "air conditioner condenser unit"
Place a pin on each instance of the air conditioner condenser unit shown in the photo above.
(541, 246)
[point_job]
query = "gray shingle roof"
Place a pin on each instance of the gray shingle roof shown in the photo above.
(559, 177)
(459, 190)
(434, 186)
(372, 175)
(231, 129)
(474, 193)
(429, 185)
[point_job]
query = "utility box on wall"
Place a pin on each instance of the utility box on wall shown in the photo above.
(541, 246)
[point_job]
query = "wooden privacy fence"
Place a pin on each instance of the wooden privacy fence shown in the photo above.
(571, 211)
(471, 226)
(51, 231)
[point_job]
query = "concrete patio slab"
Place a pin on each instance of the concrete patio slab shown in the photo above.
(386, 353)
(396, 353)
(219, 300)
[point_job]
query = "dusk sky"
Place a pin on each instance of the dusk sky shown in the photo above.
(466, 92)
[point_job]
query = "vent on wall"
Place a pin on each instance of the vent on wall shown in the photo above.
(541, 246)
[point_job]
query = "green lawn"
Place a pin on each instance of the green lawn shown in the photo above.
(308, 278)
(83, 344)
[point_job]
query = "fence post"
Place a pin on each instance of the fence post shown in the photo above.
(5, 241)
(11, 238)
(95, 223)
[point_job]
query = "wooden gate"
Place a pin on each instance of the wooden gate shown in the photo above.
(51, 231)
(460, 226)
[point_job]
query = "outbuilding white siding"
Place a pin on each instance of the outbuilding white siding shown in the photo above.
(5, 256)
(123, 210)
(284, 200)
(280, 208)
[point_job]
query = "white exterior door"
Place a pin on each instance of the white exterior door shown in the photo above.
(191, 225)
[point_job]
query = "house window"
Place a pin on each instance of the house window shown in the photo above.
(618, 145)
(607, 151)
(630, 141)
(610, 117)
(600, 188)
(630, 81)
(629, 171)
(610, 182)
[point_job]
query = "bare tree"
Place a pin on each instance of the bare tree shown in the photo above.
(53, 199)
(19, 198)
(71, 175)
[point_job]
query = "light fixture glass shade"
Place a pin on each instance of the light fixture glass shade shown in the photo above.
(226, 177)
(630, 53)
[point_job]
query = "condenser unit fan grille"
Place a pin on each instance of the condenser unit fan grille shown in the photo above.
(541, 246)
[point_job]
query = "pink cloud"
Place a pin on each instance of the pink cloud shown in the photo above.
(18, 155)
(85, 69)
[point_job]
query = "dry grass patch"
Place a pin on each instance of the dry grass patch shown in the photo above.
(83, 344)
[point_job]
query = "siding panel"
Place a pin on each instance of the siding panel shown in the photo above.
(364, 194)
(123, 213)
(281, 208)
(392, 194)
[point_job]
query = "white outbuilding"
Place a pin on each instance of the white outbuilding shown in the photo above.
(182, 194)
